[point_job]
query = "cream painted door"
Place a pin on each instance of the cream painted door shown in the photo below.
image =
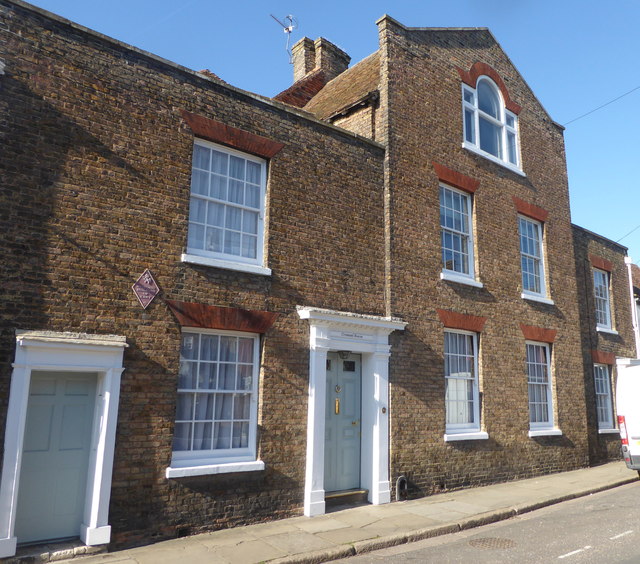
(342, 426)
(55, 457)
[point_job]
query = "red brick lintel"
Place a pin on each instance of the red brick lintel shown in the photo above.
(601, 263)
(455, 320)
(217, 132)
(478, 69)
(602, 357)
(456, 179)
(525, 208)
(532, 333)
(228, 318)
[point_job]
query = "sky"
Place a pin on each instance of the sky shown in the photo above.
(576, 55)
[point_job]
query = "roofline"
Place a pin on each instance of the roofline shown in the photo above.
(257, 97)
(600, 237)
(396, 22)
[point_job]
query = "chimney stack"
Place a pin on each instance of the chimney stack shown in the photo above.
(311, 55)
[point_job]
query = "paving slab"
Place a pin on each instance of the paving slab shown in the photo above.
(361, 529)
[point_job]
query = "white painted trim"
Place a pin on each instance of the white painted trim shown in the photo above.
(474, 436)
(536, 298)
(226, 468)
(367, 335)
(545, 432)
(451, 277)
(72, 352)
(608, 431)
(226, 264)
(93, 536)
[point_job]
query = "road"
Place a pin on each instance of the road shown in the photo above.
(603, 527)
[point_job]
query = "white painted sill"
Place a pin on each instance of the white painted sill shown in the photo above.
(474, 149)
(535, 298)
(226, 264)
(545, 432)
(474, 436)
(607, 330)
(451, 277)
(226, 468)
(608, 431)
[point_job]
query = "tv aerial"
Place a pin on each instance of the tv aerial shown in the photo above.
(288, 25)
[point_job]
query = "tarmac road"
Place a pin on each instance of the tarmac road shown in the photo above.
(602, 527)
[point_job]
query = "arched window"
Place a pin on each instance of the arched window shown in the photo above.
(489, 128)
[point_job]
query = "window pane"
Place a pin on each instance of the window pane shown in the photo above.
(249, 246)
(469, 126)
(236, 191)
(201, 157)
(218, 187)
(252, 196)
(214, 240)
(253, 172)
(207, 376)
(200, 182)
(219, 162)
(215, 214)
(232, 243)
(511, 143)
(227, 379)
(488, 100)
(490, 137)
(182, 436)
(236, 167)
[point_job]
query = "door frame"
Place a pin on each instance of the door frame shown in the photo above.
(367, 335)
(67, 352)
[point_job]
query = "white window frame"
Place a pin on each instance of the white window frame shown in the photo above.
(507, 122)
(541, 427)
(452, 274)
(470, 430)
(602, 303)
(538, 260)
(199, 462)
(603, 397)
(227, 260)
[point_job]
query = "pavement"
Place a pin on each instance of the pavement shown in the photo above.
(365, 528)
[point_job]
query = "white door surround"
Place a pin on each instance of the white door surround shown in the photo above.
(367, 335)
(69, 352)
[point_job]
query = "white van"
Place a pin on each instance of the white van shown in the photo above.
(628, 409)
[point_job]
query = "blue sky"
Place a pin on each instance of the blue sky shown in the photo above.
(575, 54)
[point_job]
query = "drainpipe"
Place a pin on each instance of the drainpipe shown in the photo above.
(634, 309)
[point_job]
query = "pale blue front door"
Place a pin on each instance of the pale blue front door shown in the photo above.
(342, 425)
(55, 457)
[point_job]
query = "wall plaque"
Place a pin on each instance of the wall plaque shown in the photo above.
(145, 288)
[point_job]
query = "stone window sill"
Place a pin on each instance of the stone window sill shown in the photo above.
(608, 431)
(472, 436)
(226, 264)
(534, 298)
(225, 468)
(607, 330)
(545, 433)
(452, 277)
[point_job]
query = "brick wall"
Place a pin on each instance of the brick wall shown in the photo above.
(96, 167)
(593, 251)
(421, 107)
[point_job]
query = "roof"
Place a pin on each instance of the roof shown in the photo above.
(301, 91)
(347, 88)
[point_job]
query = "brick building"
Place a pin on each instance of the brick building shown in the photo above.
(367, 280)
(607, 327)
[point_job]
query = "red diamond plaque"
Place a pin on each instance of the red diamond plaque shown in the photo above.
(145, 288)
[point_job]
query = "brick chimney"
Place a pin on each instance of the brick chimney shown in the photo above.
(311, 55)
(330, 58)
(303, 54)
